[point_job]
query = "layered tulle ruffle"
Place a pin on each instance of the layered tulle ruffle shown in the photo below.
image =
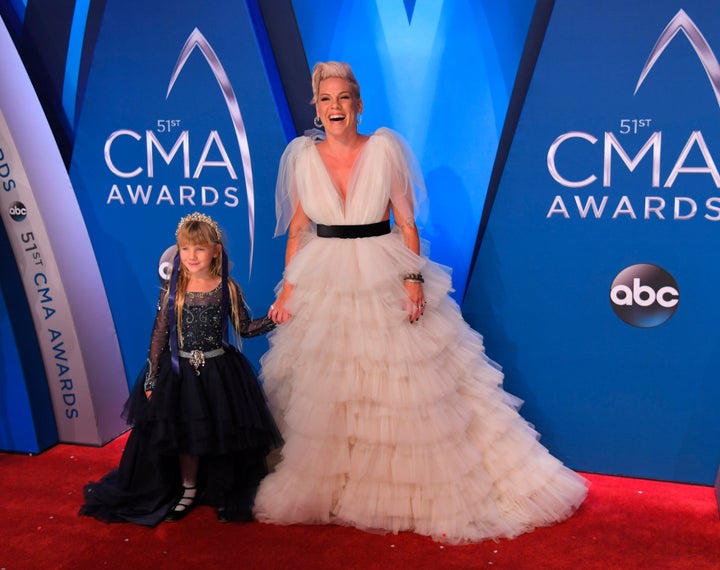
(391, 425)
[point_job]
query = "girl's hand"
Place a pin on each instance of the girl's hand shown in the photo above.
(415, 304)
(277, 311)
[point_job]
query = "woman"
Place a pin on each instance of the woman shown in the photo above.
(393, 417)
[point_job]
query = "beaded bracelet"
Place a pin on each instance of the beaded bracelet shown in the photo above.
(414, 278)
(150, 378)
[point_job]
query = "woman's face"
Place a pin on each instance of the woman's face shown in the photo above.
(337, 106)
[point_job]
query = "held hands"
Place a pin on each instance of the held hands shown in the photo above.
(415, 303)
(277, 311)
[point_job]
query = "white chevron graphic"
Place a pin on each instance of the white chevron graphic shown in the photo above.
(681, 22)
(197, 40)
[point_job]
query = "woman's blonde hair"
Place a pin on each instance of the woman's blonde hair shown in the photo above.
(328, 69)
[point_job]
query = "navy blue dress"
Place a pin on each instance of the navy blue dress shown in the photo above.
(213, 409)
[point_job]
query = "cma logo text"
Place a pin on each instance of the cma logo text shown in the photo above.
(577, 159)
(130, 154)
(153, 148)
(644, 295)
(653, 147)
(681, 22)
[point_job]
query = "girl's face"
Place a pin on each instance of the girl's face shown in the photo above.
(336, 105)
(197, 258)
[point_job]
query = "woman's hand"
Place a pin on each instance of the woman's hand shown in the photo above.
(415, 304)
(278, 313)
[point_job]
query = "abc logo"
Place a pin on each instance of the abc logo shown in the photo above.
(165, 264)
(644, 295)
(17, 211)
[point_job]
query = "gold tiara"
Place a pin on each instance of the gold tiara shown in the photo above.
(198, 217)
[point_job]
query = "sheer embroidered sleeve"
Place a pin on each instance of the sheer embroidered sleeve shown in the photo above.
(158, 339)
(256, 327)
(247, 326)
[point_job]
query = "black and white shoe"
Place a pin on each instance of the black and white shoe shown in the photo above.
(183, 505)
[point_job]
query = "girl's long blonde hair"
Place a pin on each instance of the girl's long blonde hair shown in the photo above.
(199, 229)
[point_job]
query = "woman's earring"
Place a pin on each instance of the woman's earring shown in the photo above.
(359, 118)
(317, 122)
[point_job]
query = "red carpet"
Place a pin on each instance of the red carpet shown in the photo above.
(624, 524)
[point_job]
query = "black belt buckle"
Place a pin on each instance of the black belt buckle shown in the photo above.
(197, 359)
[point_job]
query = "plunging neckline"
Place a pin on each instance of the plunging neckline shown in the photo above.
(343, 200)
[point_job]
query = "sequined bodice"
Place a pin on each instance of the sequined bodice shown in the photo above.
(202, 321)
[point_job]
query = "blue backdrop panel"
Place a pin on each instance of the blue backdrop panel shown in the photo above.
(17, 430)
(178, 115)
(27, 423)
(613, 166)
(441, 74)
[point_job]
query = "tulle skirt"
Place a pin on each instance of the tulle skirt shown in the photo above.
(219, 415)
(397, 426)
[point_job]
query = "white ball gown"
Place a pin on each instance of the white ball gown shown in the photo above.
(391, 425)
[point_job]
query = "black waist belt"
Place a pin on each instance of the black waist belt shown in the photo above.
(351, 232)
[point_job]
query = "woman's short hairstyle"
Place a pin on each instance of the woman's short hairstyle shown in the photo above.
(328, 69)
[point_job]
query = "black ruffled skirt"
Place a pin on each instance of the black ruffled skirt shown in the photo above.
(220, 415)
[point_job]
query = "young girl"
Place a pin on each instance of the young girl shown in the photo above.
(201, 425)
